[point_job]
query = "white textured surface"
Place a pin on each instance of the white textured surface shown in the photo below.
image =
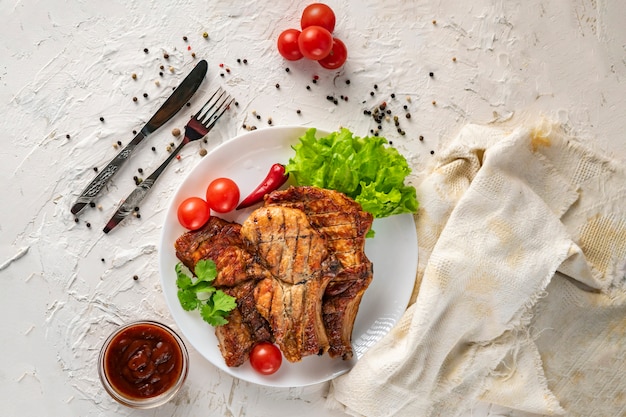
(67, 63)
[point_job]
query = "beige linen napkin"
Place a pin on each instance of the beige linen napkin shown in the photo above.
(521, 290)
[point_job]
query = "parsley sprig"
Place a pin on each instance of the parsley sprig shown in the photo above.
(200, 294)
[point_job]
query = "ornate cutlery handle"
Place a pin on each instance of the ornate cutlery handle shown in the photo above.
(96, 185)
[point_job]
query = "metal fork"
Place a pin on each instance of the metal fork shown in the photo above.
(198, 127)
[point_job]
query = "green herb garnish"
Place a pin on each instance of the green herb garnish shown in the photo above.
(365, 169)
(200, 294)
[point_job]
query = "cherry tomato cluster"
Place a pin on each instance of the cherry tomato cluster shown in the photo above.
(222, 196)
(315, 41)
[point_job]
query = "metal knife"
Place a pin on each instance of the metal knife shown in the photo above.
(172, 105)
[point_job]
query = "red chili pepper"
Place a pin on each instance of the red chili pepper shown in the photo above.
(274, 179)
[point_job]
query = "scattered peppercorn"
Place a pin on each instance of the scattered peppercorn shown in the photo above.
(134, 98)
(269, 121)
(140, 170)
(314, 81)
(434, 22)
(299, 111)
(432, 152)
(134, 132)
(67, 136)
(372, 93)
(176, 131)
(145, 95)
(202, 152)
(308, 87)
(193, 54)
(135, 277)
(375, 86)
(101, 259)
(95, 169)
(153, 149)
(239, 60)
(101, 119)
(119, 143)
(408, 115)
(185, 38)
(277, 85)
(221, 74)
(245, 61)
(76, 220)
(145, 50)
(88, 224)
(134, 76)
(393, 95)
(92, 204)
(431, 74)
(287, 69)
(434, 103)
(453, 59)
(205, 35)
(348, 82)
(421, 137)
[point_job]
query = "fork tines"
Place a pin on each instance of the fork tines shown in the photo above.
(220, 102)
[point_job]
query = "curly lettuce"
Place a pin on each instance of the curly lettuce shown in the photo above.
(363, 168)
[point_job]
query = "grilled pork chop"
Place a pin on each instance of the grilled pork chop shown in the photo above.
(344, 225)
(301, 267)
(238, 274)
(298, 274)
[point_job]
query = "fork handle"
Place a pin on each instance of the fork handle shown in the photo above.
(131, 203)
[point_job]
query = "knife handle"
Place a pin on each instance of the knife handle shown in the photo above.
(96, 185)
(131, 203)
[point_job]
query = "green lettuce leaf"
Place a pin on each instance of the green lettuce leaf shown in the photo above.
(363, 168)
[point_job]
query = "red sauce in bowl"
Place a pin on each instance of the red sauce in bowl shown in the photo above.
(141, 361)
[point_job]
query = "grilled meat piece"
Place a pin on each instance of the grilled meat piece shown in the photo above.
(301, 267)
(238, 273)
(344, 225)
(220, 240)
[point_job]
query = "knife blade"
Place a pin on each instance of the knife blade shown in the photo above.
(172, 105)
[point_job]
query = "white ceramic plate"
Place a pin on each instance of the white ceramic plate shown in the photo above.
(393, 251)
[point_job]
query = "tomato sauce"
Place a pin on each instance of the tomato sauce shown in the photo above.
(143, 361)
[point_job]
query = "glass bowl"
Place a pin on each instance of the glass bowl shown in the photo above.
(143, 364)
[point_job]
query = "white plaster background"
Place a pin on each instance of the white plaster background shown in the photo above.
(66, 63)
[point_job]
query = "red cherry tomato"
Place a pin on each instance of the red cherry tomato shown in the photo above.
(315, 42)
(318, 14)
(222, 195)
(265, 358)
(193, 213)
(336, 57)
(288, 45)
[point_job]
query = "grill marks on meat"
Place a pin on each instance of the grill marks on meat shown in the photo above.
(297, 268)
(238, 273)
(343, 223)
(301, 268)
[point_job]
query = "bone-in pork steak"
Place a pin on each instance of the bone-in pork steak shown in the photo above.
(301, 267)
(238, 274)
(344, 225)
